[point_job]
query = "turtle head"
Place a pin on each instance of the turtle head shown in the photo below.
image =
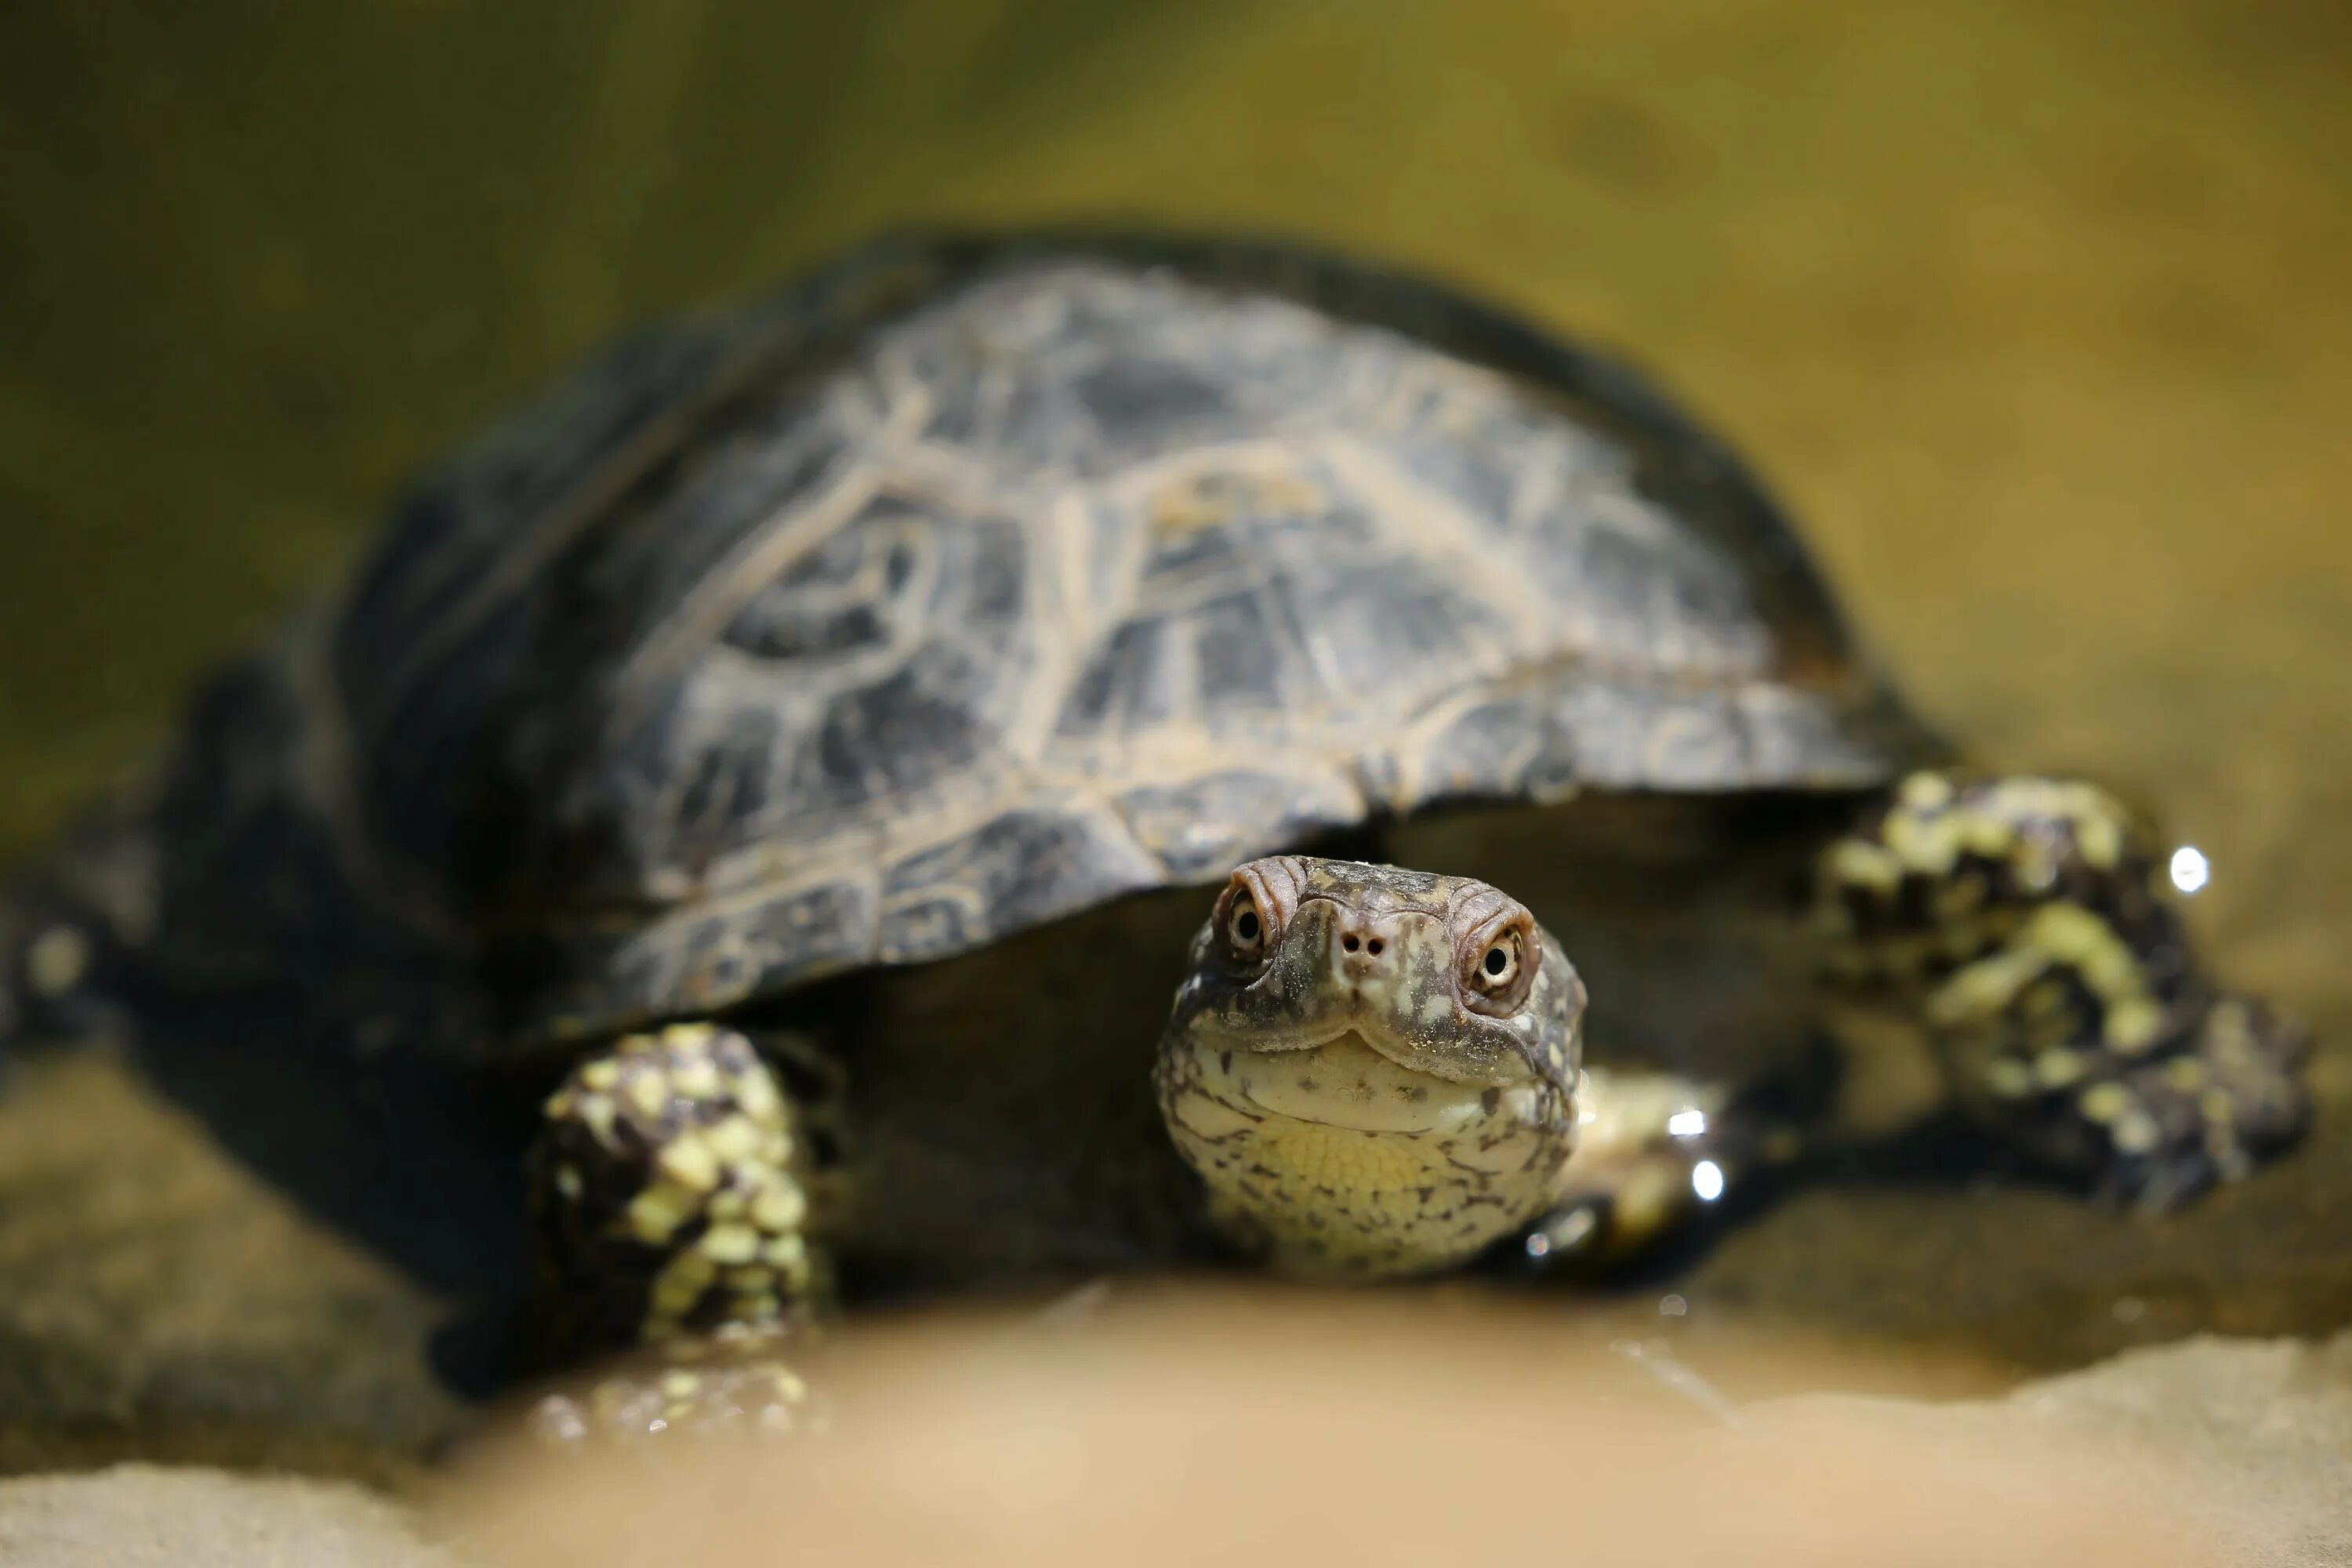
(1372, 1070)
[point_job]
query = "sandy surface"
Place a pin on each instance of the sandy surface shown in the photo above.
(140, 1515)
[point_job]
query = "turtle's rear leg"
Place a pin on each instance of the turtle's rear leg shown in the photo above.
(2022, 922)
(672, 1186)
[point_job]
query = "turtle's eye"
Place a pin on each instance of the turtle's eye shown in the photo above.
(1244, 926)
(1500, 966)
(1498, 963)
(1247, 925)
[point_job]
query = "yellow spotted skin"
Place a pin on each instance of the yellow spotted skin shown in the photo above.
(671, 1190)
(734, 1381)
(2022, 924)
(1361, 1091)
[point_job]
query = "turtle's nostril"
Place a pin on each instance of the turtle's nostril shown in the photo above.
(1363, 949)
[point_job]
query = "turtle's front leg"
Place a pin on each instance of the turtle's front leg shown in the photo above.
(1654, 1150)
(2024, 923)
(671, 1187)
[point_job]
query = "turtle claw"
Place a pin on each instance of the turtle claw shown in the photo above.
(2163, 1133)
(729, 1385)
(2204, 1102)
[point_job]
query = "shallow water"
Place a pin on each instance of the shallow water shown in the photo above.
(2038, 316)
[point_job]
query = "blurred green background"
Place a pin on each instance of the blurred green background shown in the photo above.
(2039, 313)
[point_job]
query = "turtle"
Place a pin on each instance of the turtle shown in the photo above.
(819, 747)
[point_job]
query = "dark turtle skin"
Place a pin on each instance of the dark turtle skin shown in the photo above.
(801, 740)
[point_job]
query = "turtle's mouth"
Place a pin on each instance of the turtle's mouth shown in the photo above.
(1350, 1084)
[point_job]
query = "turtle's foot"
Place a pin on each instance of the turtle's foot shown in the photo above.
(671, 1191)
(46, 959)
(2158, 1127)
(735, 1382)
(2024, 924)
(68, 963)
(1655, 1152)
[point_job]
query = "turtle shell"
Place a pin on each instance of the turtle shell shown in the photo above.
(974, 581)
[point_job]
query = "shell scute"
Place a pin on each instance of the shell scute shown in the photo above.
(976, 582)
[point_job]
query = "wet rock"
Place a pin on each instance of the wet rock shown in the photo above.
(2253, 1436)
(1990, 1262)
(2246, 1442)
(138, 1515)
(161, 1300)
